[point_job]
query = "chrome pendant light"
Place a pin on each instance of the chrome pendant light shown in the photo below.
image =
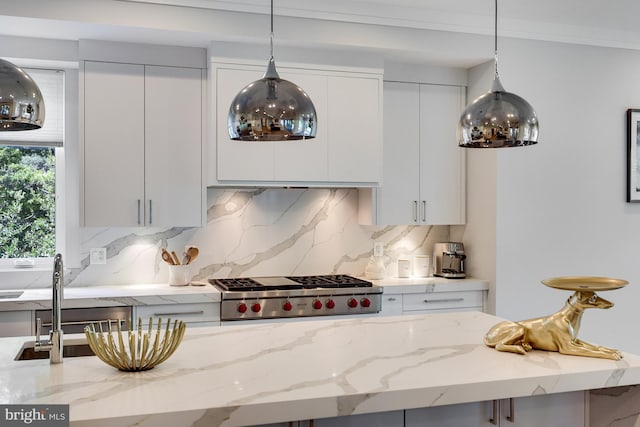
(272, 109)
(498, 118)
(21, 102)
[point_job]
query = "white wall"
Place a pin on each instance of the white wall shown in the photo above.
(560, 206)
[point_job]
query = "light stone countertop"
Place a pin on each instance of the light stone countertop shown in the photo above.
(109, 296)
(420, 285)
(252, 374)
(151, 294)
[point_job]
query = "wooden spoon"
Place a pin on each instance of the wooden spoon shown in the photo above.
(174, 256)
(166, 257)
(192, 254)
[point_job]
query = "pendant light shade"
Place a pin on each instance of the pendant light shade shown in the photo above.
(498, 118)
(272, 109)
(21, 102)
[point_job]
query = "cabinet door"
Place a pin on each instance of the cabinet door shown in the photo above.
(442, 162)
(550, 410)
(193, 314)
(305, 161)
(473, 300)
(355, 129)
(380, 419)
(238, 161)
(113, 144)
(391, 305)
(173, 146)
(474, 414)
(397, 198)
(15, 323)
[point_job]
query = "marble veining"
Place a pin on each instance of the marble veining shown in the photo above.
(251, 374)
(248, 232)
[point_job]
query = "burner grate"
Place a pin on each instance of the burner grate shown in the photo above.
(238, 284)
(331, 281)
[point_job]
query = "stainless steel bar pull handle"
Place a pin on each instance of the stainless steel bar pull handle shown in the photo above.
(150, 213)
(138, 211)
(444, 300)
(415, 211)
(424, 211)
(494, 416)
(180, 313)
(512, 414)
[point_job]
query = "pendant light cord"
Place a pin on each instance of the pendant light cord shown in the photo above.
(271, 37)
(495, 37)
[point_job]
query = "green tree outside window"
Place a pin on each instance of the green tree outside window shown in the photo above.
(27, 202)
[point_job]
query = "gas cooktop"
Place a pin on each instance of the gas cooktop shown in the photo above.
(246, 284)
(252, 298)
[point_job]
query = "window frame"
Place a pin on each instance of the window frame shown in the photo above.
(60, 184)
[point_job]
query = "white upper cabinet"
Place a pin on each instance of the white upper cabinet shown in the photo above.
(173, 146)
(141, 145)
(113, 144)
(346, 151)
(424, 169)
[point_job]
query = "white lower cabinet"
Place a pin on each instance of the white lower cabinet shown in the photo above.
(432, 302)
(15, 323)
(193, 314)
(549, 410)
(391, 305)
(379, 419)
(448, 301)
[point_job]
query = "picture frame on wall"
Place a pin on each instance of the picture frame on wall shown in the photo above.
(633, 142)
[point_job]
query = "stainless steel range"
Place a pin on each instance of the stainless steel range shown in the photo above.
(247, 298)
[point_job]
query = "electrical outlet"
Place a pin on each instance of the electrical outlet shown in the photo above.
(98, 256)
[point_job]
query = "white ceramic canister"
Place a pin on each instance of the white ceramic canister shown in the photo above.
(404, 267)
(421, 265)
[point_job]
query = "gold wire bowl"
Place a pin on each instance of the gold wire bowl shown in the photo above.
(141, 349)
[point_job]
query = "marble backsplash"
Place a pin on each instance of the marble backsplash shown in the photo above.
(252, 232)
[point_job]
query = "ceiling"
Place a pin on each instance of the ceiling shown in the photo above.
(388, 25)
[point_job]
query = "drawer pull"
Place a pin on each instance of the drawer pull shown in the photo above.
(494, 416)
(86, 322)
(180, 313)
(444, 300)
(392, 299)
(512, 415)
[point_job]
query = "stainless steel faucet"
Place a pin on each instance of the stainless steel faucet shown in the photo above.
(55, 343)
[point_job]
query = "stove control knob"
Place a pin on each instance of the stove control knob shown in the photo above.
(255, 307)
(365, 302)
(317, 304)
(287, 306)
(242, 307)
(331, 303)
(352, 302)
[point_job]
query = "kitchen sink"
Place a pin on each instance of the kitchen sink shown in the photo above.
(77, 349)
(10, 294)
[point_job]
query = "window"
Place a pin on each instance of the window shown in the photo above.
(28, 163)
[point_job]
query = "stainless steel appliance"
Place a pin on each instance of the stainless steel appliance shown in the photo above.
(248, 298)
(449, 260)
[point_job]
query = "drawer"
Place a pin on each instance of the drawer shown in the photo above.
(391, 305)
(15, 323)
(188, 313)
(442, 300)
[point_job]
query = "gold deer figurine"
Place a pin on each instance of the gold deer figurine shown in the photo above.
(557, 332)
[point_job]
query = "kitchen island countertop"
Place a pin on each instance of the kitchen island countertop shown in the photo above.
(252, 374)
